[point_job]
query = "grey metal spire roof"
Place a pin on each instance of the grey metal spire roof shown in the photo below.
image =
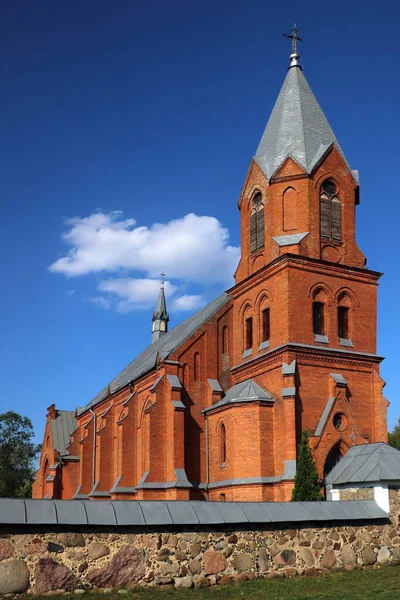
(367, 462)
(165, 345)
(297, 127)
(246, 391)
(160, 311)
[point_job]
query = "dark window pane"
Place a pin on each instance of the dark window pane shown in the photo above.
(318, 318)
(257, 198)
(329, 187)
(249, 333)
(223, 444)
(265, 325)
(343, 322)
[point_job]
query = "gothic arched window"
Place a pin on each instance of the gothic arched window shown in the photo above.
(344, 317)
(318, 312)
(223, 444)
(330, 211)
(257, 223)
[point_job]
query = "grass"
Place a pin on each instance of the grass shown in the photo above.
(368, 584)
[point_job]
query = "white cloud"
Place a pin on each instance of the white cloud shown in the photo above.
(193, 248)
(187, 302)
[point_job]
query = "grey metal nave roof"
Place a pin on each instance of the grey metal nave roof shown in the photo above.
(165, 345)
(61, 428)
(297, 127)
(367, 463)
(124, 513)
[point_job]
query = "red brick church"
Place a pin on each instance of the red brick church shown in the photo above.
(214, 408)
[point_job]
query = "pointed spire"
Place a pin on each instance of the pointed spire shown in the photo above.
(160, 315)
(297, 126)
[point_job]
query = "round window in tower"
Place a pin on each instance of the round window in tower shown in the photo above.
(340, 422)
(329, 187)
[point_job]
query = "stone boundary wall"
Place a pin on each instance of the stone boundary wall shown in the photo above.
(43, 558)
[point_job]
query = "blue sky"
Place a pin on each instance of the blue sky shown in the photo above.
(116, 117)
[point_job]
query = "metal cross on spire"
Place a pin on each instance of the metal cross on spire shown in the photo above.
(294, 57)
(162, 279)
(294, 37)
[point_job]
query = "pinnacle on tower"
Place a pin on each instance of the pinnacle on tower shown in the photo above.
(160, 315)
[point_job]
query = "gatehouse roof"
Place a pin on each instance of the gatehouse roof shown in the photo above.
(367, 463)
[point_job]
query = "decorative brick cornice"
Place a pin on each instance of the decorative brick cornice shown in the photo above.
(307, 352)
(306, 263)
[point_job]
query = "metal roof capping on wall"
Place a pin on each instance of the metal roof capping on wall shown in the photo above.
(170, 513)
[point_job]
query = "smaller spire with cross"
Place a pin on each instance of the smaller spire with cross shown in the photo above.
(160, 315)
(294, 57)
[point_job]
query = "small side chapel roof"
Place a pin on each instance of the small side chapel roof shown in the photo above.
(246, 391)
(367, 463)
(297, 127)
(164, 346)
(61, 428)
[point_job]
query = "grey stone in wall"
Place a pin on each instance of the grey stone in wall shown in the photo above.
(14, 577)
(127, 567)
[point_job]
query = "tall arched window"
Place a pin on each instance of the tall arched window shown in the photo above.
(223, 445)
(196, 365)
(257, 223)
(330, 211)
(289, 205)
(318, 312)
(343, 314)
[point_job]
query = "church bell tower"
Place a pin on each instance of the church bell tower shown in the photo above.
(304, 301)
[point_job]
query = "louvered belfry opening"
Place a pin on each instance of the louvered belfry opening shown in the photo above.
(257, 223)
(330, 211)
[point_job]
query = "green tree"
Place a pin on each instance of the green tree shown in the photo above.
(306, 484)
(394, 436)
(17, 455)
